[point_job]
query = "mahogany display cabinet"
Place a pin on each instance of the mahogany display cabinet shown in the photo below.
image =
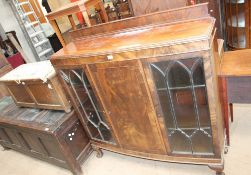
(147, 86)
(52, 136)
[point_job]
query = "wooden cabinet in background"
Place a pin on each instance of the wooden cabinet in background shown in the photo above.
(147, 86)
(237, 24)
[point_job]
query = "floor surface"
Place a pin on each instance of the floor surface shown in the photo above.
(237, 161)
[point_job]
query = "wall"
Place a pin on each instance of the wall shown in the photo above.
(9, 23)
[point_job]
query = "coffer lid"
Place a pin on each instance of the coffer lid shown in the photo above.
(45, 120)
(40, 70)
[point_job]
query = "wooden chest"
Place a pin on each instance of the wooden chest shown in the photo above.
(52, 136)
(36, 85)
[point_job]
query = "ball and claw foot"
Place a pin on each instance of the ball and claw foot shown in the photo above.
(218, 168)
(99, 153)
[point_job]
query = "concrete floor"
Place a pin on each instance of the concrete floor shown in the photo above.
(237, 161)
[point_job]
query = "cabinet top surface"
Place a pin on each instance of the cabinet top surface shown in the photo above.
(236, 63)
(138, 38)
(47, 120)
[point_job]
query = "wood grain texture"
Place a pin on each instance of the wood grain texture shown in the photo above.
(122, 84)
(168, 16)
(138, 39)
(223, 89)
(37, 94)
(236, 63)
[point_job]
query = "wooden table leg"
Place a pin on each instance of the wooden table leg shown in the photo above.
(224, 105)
(73, 25)
(104, 14)
(58, 32)
(86, 17)
(231, 111)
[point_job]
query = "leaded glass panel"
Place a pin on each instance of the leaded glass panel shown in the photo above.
(182, 94)
(88, 105)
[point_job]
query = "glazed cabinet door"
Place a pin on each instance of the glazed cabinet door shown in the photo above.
(180, 93)
(86, 104)
(123, 90)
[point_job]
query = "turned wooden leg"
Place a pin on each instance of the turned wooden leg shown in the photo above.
(217, 168)
(231, 111)
(98, 151)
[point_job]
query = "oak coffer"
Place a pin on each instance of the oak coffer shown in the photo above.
(147, 86)
(36, 85)
(52, 136)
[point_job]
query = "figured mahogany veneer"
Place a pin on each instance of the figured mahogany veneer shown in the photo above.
(115, 77)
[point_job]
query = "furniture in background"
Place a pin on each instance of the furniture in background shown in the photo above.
(80, 6)
(235, 78)
(237, 24)
(215, 10)
(5, 67)
(55, 43)
(37, 9)
(16, 60)
(141, 7)
(144, 88)
(52, 136)
(118, 9)
(36, 85)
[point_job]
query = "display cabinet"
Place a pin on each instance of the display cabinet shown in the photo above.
(147, 86)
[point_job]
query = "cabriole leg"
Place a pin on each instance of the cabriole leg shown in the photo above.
(217, 168)
(98, 151)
